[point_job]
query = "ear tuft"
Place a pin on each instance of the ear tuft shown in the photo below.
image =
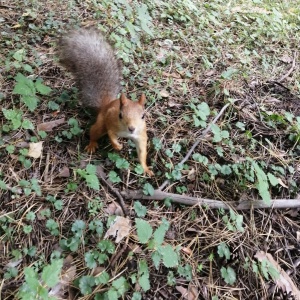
(123, 100)
(142, 99)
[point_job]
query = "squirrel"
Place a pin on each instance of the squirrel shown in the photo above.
(97, 71)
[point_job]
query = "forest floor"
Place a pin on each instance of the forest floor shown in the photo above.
(219, 220)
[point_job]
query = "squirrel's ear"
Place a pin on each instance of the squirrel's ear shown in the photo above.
(123, 100)
(142, 100)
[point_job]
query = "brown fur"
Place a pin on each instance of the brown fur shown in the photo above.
(92, 61)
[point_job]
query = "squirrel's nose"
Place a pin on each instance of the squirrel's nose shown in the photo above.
(131, 129)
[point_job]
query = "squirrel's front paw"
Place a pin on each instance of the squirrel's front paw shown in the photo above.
(148, 172)
(91, 147)
(118, 146)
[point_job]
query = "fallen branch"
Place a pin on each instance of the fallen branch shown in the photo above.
(211, 203)
(198, 140)
(102, 176)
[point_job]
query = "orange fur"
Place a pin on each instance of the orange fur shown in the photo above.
(132, 125)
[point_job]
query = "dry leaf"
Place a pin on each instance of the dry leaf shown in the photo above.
(192, 292)
(281, 183)
(120, 228)
(284, 282)
(35, 149)
(183, 291)
(186, 250)
(164, 93)
(114, 209)
(48, 126)
(64, 172)
(286, 58)
(173, 75)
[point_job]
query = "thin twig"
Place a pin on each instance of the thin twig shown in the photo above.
(198, 140)
(290, 70)
(211, 203)
(101, 175)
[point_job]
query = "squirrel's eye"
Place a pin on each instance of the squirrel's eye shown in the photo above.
(143, 116)
(120, 116)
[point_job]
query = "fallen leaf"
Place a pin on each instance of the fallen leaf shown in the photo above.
(286, 58)
(13, 264)
(173, 75)
(120, 228)
(35, 149)
(64, 172)
(114, 209)
(284, 282)
(186, 250)
(281, 183)
(48, 126)
(183, 291)
(192, 292)
(164, 93)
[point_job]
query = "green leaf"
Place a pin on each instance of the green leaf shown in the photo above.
(103, 278)
(144, 282)
(90, 260)
(223, 250)
(273, 180)
(30, 101)
(156, 258)
(203, 111)
(92, 182)
(228, 73)
(3, 185)
(122, 163)
(160, 232)
(144, 230)
(26, 124)
(136, 296)
(19, 55)
(85, 284)
(91, 169)
(148, 189)
(144, 17)
(50, 274)
(139, 169)
(262, 184)
(228, 275)
(27, 229)
(120, 285)
(185, 272)
(31, 279)
(140, 209)
(169, 256)
(78, 226)
(24, 86)
(144, 275)
(112, 294)
(41, 88)
(114, 177)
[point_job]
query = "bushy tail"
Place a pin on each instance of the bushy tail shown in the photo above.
(94, 65)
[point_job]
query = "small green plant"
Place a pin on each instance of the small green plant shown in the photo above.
(89, 174)
(229, 275)
(30, 186)
(58, 203)
(37, 287)
(234, 222)
(28, 88)
(72, 243)
(164, 253)
(140, 209)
